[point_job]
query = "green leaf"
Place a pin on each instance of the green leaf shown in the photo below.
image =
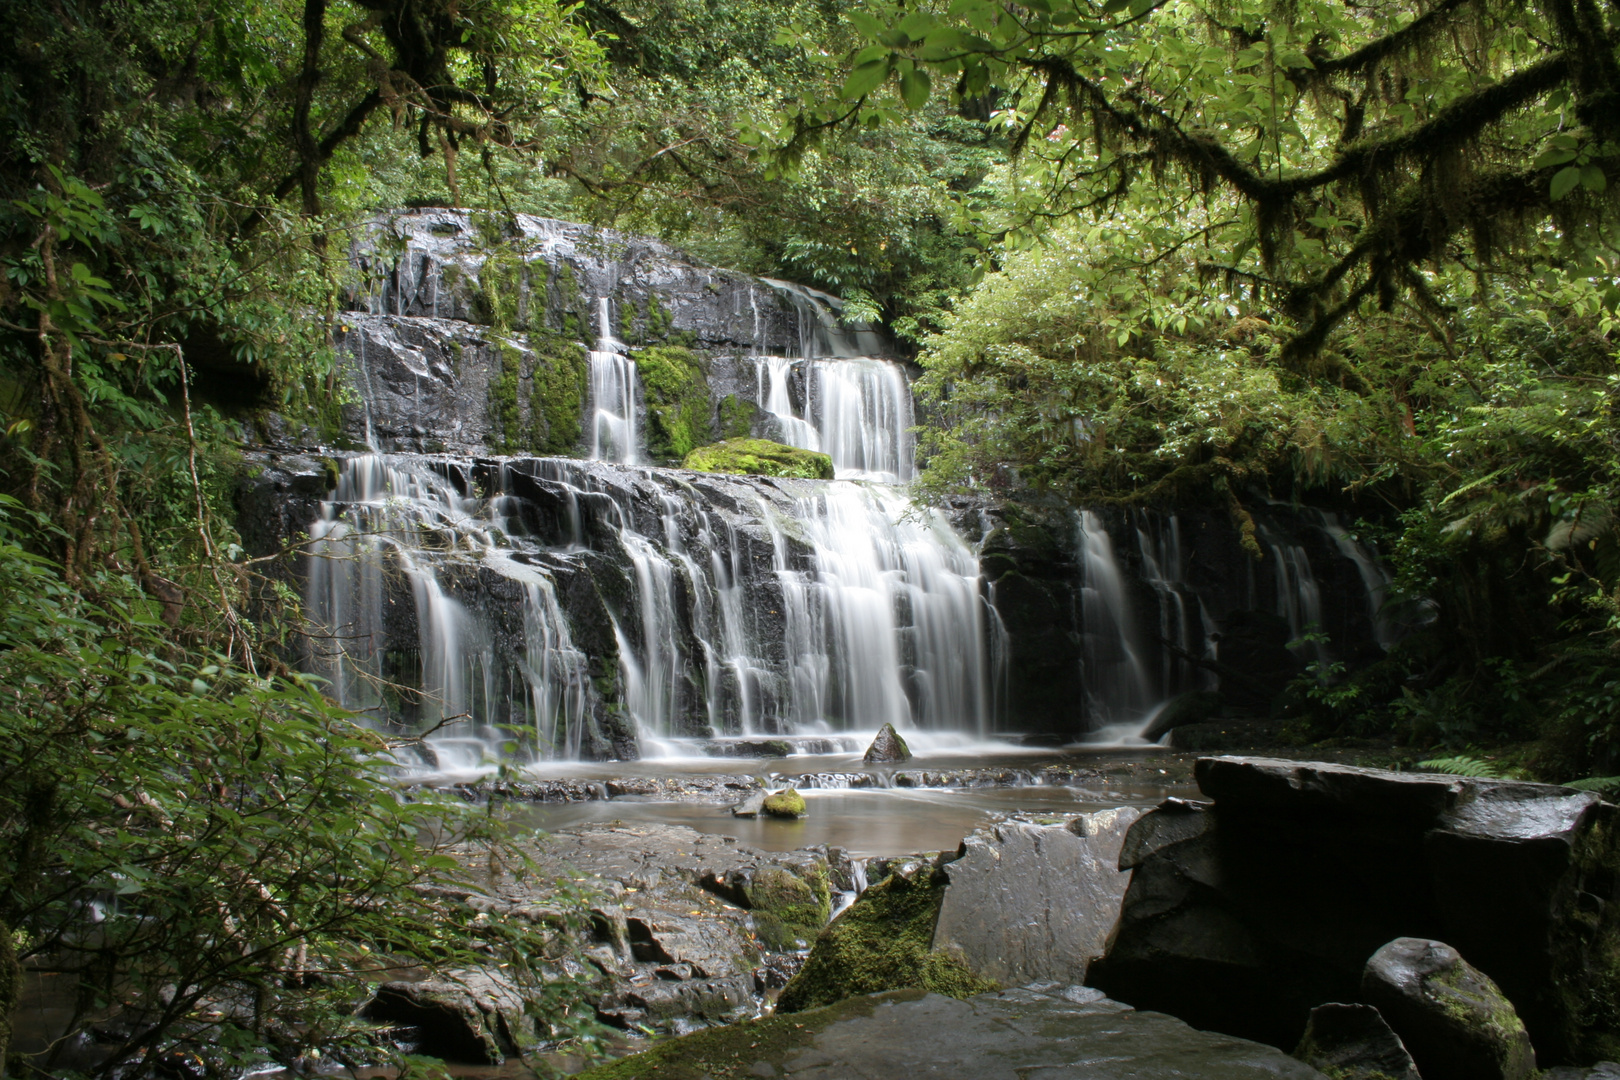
(914, 87)
(1592, 178)
(865, 23)
(865, 78)
(1564, 181)
(1548, 158)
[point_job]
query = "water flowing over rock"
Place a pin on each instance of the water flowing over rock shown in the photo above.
(467, 568)
(1244, 915)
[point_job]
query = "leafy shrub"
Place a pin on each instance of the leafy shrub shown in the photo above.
(175, 822)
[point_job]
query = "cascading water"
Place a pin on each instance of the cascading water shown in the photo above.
(835, 607)
(614, 394)
(598, 606)
(858, 412)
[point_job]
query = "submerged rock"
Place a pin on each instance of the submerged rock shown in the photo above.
(760, 457)
(1452, 1017)
(752, 806)
(1244, 916)
(1354, 1042)
(1023, 1034)
(887, 747)
(786, 803)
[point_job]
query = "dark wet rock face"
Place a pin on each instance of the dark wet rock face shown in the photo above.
(888, 747)
(1452, 1018)
(1042, 1032)
(1245, 915)
(1354, 1042)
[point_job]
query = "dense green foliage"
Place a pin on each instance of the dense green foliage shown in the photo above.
(168, 823)
(1363, 256)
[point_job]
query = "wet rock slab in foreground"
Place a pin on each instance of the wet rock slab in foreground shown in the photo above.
(1035, 1033)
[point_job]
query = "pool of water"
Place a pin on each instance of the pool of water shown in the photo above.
(866, 822)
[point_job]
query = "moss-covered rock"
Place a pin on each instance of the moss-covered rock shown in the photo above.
(789, 910)
(1454, 1020)
(557, 376)
(760, 457)
(722, 1053)
(786, 803)
(884, 941)
(676, 389)
(558, 389)
(737, 416)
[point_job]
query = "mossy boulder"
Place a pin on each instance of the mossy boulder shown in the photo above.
(789, 910)
(679, 406)
(884, 941)
(785, 804)
(760, 457)
(1453, 1019)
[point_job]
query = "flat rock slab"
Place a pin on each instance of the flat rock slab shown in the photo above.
(1013, 1035)
(643, 856)
(1028, 902)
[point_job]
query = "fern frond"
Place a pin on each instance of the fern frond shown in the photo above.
(1462, 766)
(1603, 785)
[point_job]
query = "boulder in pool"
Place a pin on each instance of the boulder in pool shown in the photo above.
(1452, 1017)
(752, 806)
(1020, 903)
(887, 747)
(786, 803)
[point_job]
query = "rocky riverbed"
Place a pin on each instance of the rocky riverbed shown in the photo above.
(1363, 921)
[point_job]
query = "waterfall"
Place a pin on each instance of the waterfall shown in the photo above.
(1184, 621)
(615, 391)
(739, 607)
(392, 523)
(1118, 684)
(820, 332)
(1375, 579)
(859, 413)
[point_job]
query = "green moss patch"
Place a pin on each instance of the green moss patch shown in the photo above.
(558, 381)
(884, 941)
(788, 909)
(737, 416)
(729, 1052)
(558, 389)
(785, 803)
(676, 390)
(760, 457)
